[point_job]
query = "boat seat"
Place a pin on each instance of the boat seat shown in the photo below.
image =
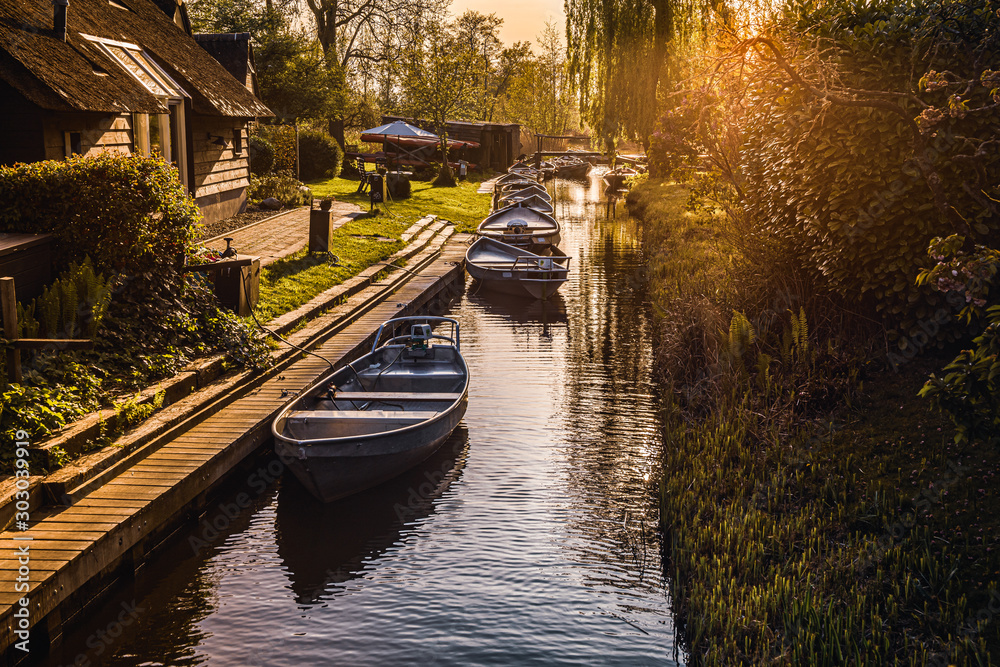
(393, 396)
(414, 416)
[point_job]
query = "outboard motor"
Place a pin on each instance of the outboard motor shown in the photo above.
(419, 344)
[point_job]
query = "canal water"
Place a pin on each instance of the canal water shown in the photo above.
(528, 539)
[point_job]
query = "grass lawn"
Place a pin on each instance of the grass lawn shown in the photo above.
(461, 204)
(295, 280)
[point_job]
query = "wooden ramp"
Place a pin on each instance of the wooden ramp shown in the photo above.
(72, 551)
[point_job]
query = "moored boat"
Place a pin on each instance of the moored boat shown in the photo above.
(532, 200)
(513, 194)
(380, 415)
(513, 177)
(521, 226)
(572, 167)
(514, 270)
(615, 178)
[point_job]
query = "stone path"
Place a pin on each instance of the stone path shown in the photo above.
(281, 235)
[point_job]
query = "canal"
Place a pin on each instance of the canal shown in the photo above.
(528, 539)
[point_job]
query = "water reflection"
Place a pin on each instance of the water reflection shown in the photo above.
(325, 544)
(536, 547)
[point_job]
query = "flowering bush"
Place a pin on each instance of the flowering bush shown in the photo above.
(969, 391)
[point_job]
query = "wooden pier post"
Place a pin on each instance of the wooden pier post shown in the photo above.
(8, 303)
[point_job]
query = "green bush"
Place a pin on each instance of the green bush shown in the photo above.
(128, 213)
(282, 140)
(319, 155)
(71, 306)
(281, 186)
(261, 156)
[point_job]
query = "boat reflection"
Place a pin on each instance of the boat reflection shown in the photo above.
(519, 309)
(326, 544)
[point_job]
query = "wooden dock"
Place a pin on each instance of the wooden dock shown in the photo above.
(71, 554)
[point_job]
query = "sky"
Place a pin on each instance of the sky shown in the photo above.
(522, 19)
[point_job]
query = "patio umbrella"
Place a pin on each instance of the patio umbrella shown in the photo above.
(400, 130)
(403, 135)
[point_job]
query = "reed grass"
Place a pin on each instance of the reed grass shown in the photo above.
(816, 513)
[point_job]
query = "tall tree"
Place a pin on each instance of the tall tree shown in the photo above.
(540, 95)
(439, 81)
(362, 33)
(296, 79)
(495, 64)
(618, 52)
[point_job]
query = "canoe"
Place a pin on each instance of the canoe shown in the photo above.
(516, 184)
(532, 200)
(524, 171)
(513, 270)
(380, 415)
(514, 178)
(521, 226)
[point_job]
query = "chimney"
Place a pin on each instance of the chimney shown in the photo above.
(60, 8)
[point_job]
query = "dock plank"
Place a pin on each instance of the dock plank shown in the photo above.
(72, 544)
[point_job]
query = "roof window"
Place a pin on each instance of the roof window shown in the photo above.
(137, 62)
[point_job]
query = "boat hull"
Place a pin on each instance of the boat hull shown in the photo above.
(492, 263)
(335, 470)
(377, 417)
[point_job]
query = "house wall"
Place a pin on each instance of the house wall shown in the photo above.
(98, 133)
(221, 175)
(21, 137)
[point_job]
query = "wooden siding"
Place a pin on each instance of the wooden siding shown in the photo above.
(98, 133)
(218, 169)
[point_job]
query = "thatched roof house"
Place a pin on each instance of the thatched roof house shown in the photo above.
(127, 76)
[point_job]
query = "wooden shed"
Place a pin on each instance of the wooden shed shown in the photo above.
(499, 144)
(125, 76)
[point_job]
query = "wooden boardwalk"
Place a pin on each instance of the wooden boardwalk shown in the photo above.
(73, 551)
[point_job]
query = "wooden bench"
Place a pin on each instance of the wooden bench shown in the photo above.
(392, 396)
(306, 416)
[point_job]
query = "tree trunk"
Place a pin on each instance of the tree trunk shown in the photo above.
(445, 177)
(335, 126)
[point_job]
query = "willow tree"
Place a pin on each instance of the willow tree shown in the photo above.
(618, 55)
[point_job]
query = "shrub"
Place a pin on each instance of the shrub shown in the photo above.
(282, 186)
(282, 140)
(71, 306)
(261, 156)
(319, 155)
(128, 213)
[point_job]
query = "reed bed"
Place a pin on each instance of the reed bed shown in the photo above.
(815, 511)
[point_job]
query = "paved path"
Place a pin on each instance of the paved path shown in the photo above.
(281, 235)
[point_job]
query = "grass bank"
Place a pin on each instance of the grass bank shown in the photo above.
(461, 204)
(294, 280)
(816, 511)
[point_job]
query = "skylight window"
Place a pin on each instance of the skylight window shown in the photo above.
(136, 62)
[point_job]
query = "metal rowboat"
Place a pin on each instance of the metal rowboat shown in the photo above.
(513, 270)
(380, 415)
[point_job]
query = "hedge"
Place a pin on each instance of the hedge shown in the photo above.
(319, 155)
(129, 214)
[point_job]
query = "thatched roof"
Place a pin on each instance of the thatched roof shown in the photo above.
(234, 52)
(77, 75)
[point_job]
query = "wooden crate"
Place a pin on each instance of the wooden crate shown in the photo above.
(237, 284)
